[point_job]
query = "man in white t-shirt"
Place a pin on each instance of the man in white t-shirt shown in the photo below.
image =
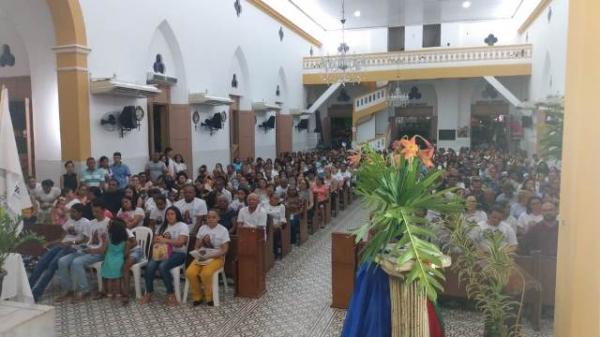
(71, 268)
(252, 215)
(192, 209)
(75, 229)
(343, 175)
(494, 223)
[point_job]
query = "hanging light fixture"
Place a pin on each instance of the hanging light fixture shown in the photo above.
(398, 98)
(341, 67)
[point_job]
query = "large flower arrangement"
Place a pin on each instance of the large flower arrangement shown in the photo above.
(397, 188)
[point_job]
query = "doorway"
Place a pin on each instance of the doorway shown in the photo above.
(413, 121)
(489, 125)
(159, 127)
(234, 128)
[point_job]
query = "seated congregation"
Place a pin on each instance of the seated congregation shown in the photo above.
(161, 224)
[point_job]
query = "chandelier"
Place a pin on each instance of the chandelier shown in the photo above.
(398, 98)
(342, 67)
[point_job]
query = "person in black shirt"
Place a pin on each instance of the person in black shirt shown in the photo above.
(112, 196)
(227, 215)
(93, 193)
(69, 179)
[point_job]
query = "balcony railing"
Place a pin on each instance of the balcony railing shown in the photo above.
(429, 57)
(370, 99)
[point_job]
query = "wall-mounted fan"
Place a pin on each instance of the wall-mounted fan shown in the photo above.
(126, 120)
(215, 122)
(109, 121)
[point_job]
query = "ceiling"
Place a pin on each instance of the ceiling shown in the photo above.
(390, 13)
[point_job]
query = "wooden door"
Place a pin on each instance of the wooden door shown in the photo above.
(247, 133)
(284, 127)
(234, 128)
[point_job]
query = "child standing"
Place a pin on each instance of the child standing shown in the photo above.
(114, 258)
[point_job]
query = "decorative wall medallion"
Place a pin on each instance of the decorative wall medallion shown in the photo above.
(234, 81)
(238, 7)
(7, 59)
(311, 51)
(491, 40)
(159, 66)
(280, 33)
(489, 92)
(277, 91)
(414, 94)
(549, 14)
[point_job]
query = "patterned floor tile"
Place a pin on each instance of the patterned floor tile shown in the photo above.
(297, 303)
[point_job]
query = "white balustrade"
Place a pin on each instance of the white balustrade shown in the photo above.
(510, 54)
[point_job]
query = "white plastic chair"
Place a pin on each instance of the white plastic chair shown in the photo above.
(215, 286)
(176, 274)
(143, 236)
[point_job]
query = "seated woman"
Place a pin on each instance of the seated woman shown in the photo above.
(213, 240)
(132, 216)
(473, 213)
(321, 192)
(173, 232)
(277, 212)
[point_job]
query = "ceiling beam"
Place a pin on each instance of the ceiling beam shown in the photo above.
(270, 11)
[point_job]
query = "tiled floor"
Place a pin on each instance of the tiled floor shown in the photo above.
(296, 304)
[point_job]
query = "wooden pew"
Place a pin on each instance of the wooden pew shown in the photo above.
(344, 264)
(335, 203)
(327, 211)
(251, 273)
(231, 259)
(269, 253)
(46, 231)
(286, 238)
(304, 226)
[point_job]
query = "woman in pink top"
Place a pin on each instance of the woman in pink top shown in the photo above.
(321, 192)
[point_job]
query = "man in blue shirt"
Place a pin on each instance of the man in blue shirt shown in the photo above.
(120, 171)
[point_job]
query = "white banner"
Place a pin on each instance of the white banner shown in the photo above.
(13, 192)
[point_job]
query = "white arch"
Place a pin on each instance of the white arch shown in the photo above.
(239, 66)
(283, 88)
(32, 22)
(179, 94)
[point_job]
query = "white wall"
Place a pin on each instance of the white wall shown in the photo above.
(10, 37)
(133, 145)
(210, 149)
(264, 142)
(203, 42)
(549, 39)
(372, 40)
(382, 121)
(32, 23)
(413, 37)
(365, 131)
(473, 34)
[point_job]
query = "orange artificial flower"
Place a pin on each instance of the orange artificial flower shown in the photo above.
(409, 147)
(426, 154)
(354, 160)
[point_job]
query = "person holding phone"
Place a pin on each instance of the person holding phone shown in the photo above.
(173, 232)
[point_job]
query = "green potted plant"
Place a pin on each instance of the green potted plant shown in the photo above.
(10, 238)
(485, 274)
(396, 188)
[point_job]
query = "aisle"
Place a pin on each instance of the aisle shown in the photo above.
(296, 302)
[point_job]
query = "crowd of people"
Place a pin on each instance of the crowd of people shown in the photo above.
(100, 208)
(510, 193)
